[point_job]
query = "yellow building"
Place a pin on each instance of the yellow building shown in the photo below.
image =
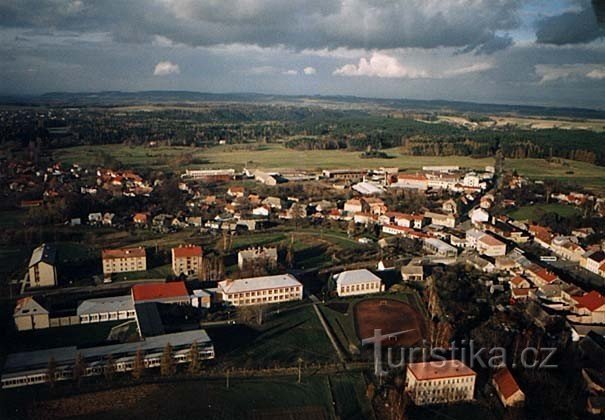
(42, 269)
(187, 260)
(124, 260)
(440, 382)
(261, 290)
(30, 315)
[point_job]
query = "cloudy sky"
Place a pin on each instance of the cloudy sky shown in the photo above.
(503, 51)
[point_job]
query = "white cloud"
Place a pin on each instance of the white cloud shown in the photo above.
(309, 70)
(473, 68)
(165, 68)
(598, 74)
(551, 72)
(290, 72)
(380, 65)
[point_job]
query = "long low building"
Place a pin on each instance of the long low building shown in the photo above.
(106, 309)
(357, 282)
(261, 290)
(31, 368)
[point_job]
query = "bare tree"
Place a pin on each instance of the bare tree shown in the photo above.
(51, 372)
(194, 359)
(138, 365)
(79, 370)
(167, 367)
(110, 368)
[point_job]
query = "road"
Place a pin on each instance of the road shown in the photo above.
(327, 329)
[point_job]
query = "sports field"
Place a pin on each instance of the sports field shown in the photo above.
(535, 211)
(391, 317)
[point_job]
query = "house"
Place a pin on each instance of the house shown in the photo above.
(591, 307)
(106, 309)
(354, 205)
(95, 218)
(448, 220)
(201, 299)
(438, 247)
(593, 260)
(173, 292)
(479, 216)
(507, 388)
(124, 260)
(411, 181)
(412, 272)
(450, 206)
(42, 270)
(108, 219)
(30, 315)
(263, 211)
(265, 178)
(375, 205)
(415, 221)
(481, 264)
(236, 191)
(187, 260)
(520, 294)
(519, 282)
(357, 282)
(490, 246)
(272, 202)
(267, 257)
(140, 219)
(439, 382)
(540, 276)
(263, 290)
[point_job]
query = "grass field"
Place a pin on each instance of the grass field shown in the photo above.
(534, 212)
(279, 342)
(275, 156)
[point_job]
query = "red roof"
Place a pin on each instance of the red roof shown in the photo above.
(506, 383)
(591, 301)
(543, 273)
(440, 370)
(154, 291)
(123, 253)
(187, 251)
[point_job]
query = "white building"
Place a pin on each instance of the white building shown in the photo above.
(490, 246)
(357, 282)
(440, 382)
(106, 309)
(439, 248)
(42, 271)
(263, 290)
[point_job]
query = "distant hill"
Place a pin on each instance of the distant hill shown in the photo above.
(117, 98)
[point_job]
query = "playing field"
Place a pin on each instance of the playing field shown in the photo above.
(391, 317)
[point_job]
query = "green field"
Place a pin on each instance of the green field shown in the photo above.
(249, 398)
(534, 212)
(276, 156)
(280, 341)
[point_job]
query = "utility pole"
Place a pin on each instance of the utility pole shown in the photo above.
(228, 370)
(300, 360)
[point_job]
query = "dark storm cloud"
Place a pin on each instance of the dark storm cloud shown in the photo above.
(298, 24)
(573, 27)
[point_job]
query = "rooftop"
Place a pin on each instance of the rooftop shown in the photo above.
(258, 283)
(356, 277)
(158, 291)
(108, 304)
(187, 251)
(426, 371)
(123, 253)
(44, 253)
(506, 382)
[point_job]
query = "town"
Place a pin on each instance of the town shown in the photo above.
(120, 274)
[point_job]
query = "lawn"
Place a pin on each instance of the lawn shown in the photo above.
(256, 398)
(534, 212)
(280, 341)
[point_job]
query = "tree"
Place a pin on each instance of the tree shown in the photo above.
(110, 368)
(138, 365)
(51, 372)
(167, 367)
(194, 359)
(79, 370)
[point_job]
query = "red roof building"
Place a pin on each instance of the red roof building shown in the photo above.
(507, 388)
(174, 292)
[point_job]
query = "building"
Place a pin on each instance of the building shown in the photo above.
(353, 175)
(354, 205)
(124, 260)
(267, 257)
(412, 272)
(31, 368)
(236, 191)
(439, 248)
(591, 307)
(490, 246)
(106, 309)
(42, 270)
(187, 260)
(263, 290)
(507, 388)
(447, 220)
(440, 382)
(174, 292)
(479, 216)
(210, 175)
(357, 282)
(30, 315)
(201, 299)
(412, 181)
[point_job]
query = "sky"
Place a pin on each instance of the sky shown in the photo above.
(539, 52)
